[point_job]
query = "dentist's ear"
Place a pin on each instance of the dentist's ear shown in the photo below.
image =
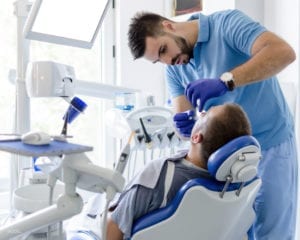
(196, 138)
(168, 25)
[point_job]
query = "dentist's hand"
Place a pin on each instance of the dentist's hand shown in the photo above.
(184, 122)
(204, 89)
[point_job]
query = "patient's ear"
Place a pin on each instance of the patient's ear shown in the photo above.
(197, 138)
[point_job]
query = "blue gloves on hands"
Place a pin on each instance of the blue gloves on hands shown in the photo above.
(184, 122)
(198, 92)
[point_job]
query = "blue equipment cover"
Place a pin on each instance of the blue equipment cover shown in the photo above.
(55, 148)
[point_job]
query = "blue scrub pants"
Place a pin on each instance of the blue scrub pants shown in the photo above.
(276, 203)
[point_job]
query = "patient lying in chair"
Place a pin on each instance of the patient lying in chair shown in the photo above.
(158, 183)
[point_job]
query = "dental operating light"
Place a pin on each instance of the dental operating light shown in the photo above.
(67, 22)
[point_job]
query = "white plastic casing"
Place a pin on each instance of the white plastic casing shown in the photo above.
(49, 79)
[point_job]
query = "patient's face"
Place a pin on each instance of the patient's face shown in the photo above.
(201, 122)
(204, 117)
(215, 111)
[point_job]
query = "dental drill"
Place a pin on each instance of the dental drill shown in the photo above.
(124, 156)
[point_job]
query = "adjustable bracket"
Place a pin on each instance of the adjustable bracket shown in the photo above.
(228, 181)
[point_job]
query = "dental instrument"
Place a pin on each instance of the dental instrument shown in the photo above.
(154, 134)
(122, 162)
(147, 137)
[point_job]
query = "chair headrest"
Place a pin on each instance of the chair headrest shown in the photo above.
(238, 158)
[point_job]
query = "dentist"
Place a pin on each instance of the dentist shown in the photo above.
(228, 57)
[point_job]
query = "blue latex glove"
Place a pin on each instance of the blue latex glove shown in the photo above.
(204, 89)
(184, 122)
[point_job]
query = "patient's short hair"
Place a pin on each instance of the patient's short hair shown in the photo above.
(143, 24)
(232, 123)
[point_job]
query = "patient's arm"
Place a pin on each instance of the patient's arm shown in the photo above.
(113, 231)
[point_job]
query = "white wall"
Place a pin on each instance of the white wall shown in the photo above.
(210, 6)
(282, 17)
(254, 8)
(140, 73)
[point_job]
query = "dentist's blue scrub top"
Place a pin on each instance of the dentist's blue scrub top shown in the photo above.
(225, 40)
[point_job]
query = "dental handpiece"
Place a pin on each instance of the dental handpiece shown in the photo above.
(123, 159)
(122, 162)
(147, 137)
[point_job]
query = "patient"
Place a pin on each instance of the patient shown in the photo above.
(147, 190)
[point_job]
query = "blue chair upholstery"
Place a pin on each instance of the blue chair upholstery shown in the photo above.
(201, 209)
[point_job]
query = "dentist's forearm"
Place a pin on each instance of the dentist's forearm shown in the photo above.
(271, 55)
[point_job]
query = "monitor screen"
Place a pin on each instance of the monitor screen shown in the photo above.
(68, 22)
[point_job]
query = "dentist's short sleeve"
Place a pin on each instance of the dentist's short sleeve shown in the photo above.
(240, 31)
(174, 82)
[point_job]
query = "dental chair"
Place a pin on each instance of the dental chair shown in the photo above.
(220, 208)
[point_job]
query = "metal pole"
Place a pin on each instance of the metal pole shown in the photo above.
(22, 104)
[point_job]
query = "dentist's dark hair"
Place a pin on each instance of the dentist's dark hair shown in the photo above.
(143, 24)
